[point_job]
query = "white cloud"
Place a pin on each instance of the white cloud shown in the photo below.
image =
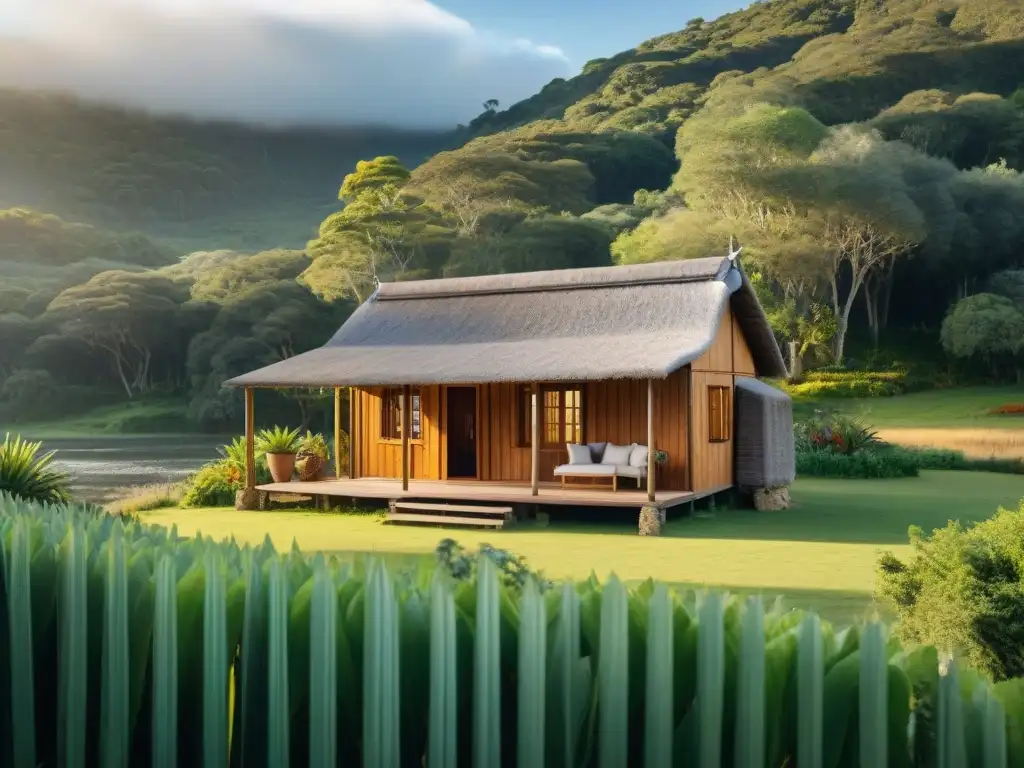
(277, 61)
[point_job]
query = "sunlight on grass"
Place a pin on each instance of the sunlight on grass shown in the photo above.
(939, 408)
(976, 443)
(820, 554)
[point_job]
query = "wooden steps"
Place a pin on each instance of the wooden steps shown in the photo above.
(448, 514)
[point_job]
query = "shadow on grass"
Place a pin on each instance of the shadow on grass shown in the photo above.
(839, 511)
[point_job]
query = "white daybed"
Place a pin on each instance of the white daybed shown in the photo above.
(605, 460)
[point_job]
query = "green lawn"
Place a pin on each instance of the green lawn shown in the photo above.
(820, 554)
(963, 407)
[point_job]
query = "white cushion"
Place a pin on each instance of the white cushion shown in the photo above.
(638, 458)
(596, 451)
(586, 469)
(616, 454)
(579, 454)
(631, 471)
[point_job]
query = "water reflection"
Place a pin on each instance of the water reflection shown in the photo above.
(100, 466)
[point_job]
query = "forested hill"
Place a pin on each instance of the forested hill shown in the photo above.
(844, 60)
(867, 154)
(199, 185)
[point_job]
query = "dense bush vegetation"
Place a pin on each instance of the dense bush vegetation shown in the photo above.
(845, 384)
(253, 655)
(961, 590)
(215, 484)
(880, 463)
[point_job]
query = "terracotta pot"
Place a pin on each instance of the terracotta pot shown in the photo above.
(281, 466)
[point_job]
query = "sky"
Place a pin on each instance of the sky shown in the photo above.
(413, 63)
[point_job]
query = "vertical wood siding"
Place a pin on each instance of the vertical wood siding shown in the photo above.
(719, 357)
(727, 357)
(713, 462)
(383, 458)
(743, 359)
(617, 413)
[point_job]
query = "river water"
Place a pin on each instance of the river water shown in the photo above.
(103, 467)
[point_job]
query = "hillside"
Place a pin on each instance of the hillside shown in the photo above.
(867, 154)
(195, 185)
(41, 254)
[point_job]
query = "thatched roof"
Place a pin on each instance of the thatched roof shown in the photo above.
(636, 322)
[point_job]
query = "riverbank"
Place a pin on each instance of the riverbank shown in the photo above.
(164, 416)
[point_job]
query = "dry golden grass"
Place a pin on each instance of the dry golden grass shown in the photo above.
(143, 498)
(979, 443)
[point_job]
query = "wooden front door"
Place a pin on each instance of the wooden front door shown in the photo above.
(461, 430)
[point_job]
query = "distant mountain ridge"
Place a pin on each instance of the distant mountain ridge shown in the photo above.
(199, 185)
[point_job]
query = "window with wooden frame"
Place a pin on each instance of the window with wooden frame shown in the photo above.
(561, 418)
(391, 414)
(719, 414)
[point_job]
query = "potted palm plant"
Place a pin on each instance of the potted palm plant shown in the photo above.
(280, 446)
(312, 457)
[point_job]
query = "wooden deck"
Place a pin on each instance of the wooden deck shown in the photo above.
(476, 491)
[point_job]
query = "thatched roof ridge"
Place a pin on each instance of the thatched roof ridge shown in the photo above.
(638, 322)
(557, 279)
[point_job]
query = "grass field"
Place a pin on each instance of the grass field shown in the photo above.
(959, 419)
(820, 554)
(961, 408)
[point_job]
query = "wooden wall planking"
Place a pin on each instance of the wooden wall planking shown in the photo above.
(616, 412)
(742, 358)
(501, 456)
(712, 462)
(718, 356)
(383, 458)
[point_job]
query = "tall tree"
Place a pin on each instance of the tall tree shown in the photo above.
(130, 318)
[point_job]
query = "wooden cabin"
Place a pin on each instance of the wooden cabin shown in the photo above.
(461, 387)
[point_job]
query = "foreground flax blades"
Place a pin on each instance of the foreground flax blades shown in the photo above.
(73, 696)
(165, 666)
(529, 675)
(532, 677)
(443, 728)
(487, 669)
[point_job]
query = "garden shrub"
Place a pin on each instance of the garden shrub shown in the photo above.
(462, 565)
(848, 384)
(962, 590)
(215, 484)
(946, 458)
(871, 464)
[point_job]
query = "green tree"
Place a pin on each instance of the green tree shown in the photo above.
(131, 319)
(987, 327)
(373, 175)
(1009, 283)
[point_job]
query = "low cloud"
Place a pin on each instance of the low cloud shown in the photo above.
(404, 62)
